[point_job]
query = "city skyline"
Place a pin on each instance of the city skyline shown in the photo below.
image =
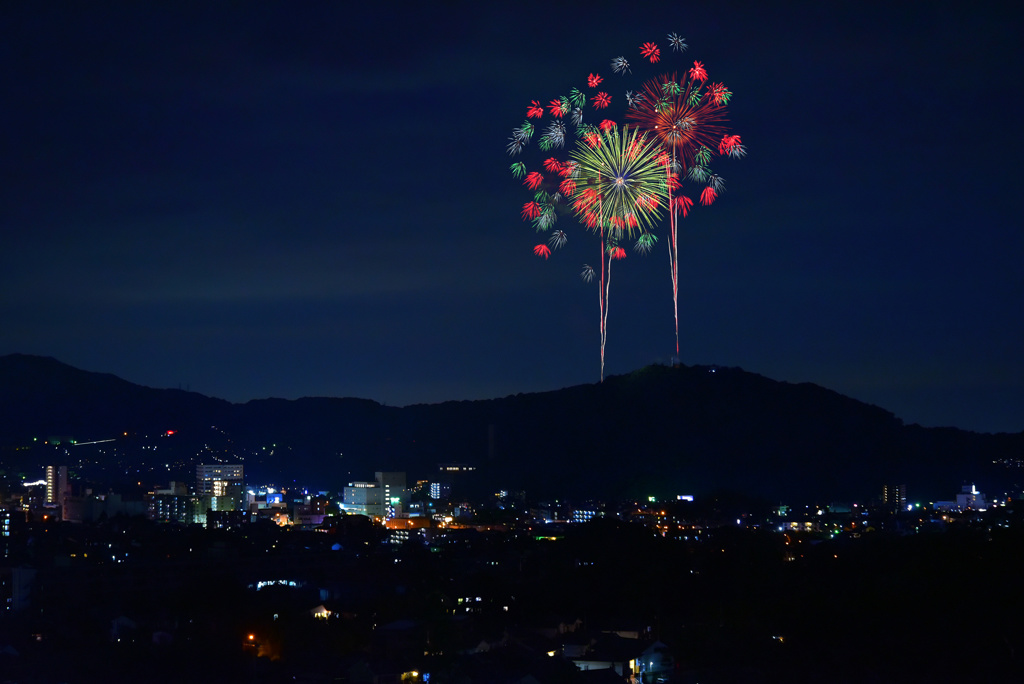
(289, 202)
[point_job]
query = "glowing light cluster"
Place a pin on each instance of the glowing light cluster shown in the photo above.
(619, 181)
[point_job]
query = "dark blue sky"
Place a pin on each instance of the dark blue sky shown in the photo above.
(264, 199)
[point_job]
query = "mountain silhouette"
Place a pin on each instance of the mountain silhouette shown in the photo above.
(658, 431)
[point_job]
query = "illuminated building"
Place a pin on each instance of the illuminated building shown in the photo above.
(381, 499)
(214, 480)
(969, 499)
(580, 515)
(171, 505)
(5, 533)
(393, 485)
(456, 468)
(401, 530)
(364, 498)
(219, 487)
(56, 488)
(894, 497)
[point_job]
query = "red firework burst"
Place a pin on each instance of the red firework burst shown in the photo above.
(728, 143)
(553, 165)
(533, 180)
(698, 72)
(719, 94)
(680, 126)
(708, 196)
(555, 107)
(534, 111)
(682, 204)
(607, 125)
(542, 251)
(617, 253)
(602, 100)
(651, 52)
(593, 80)
(531, 210)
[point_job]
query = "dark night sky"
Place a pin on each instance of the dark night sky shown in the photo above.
(306, 199)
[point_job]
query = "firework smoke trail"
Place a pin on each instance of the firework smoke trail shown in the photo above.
(688, 122)
(619, 176)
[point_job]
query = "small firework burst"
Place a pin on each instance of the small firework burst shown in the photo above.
(620, 66)
(702, 156)
(518, 169)
(546, 219)
(729, 145)
(558, 239)
(645, 243)
(555, 133)
(602, 100)
(587, 273)
(534, 111)
(698, 72)
(716, 182)
(651, 51)
(677, 42)
(531, 210)
(682, 204)
(719, 94)
(542, 251)
(593, 80)
(553, 165)
(633, 99)
(515, 145)
(708, 196)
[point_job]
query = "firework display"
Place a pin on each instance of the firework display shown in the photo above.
(619, 180)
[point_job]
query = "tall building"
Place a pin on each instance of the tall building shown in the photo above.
(894, 497)
(56, 488)
(214, 480)
(394, 493)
